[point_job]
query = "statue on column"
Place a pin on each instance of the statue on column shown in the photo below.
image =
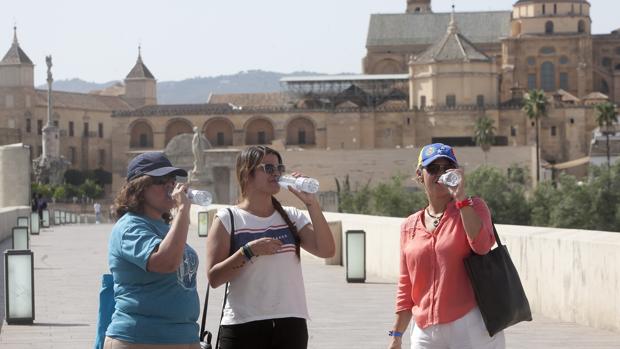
(50, 166)
(199, 144)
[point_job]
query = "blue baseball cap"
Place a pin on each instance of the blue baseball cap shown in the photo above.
(434, 151)
(153, 164)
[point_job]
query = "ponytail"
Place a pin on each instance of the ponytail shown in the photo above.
(291, 226)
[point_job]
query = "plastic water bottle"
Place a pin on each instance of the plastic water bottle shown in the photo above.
(306, 184)
(199, 197)
(450, 179)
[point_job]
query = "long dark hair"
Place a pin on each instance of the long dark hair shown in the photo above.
(247, 162)
(131, 198)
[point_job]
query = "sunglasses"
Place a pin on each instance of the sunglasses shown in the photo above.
(434, 169)
(271, 168)
(163, 180)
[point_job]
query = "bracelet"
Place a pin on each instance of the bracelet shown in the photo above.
(464, 203)
(247, 251)
(395, 334)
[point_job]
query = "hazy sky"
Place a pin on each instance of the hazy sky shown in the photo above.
(98, 40)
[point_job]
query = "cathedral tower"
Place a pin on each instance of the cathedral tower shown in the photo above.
(16, 69)
(140, 85)
(418, 6)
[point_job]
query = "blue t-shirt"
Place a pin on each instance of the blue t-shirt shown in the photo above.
(151, 308)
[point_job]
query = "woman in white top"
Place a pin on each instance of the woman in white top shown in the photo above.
(266, 306)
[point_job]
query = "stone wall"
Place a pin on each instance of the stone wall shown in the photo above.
(15, 169)
(8, 219)
(569, 275)
(9, 136)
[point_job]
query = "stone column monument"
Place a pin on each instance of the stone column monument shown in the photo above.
(50, 167)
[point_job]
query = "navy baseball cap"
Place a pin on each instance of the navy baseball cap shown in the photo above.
(153, 164)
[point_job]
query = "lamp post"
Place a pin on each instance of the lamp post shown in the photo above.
(203, 223)
(35, 223)
(22, 222)
(19, 286)
(356, 255)
(21, 240)
(45, 220)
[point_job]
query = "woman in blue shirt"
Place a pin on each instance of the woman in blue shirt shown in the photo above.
(154, 270)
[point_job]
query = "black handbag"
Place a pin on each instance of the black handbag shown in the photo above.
(499, 293)
(205, 335)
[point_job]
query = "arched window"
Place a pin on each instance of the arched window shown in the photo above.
(549, 27)
(176, 128)
(547, 76)
(219, 132)
(389, 66)
(259, 131)
(604, 87)
(581, 27)
(141, 135)
(300, 131)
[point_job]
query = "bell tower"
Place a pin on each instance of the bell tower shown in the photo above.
(140, 85)
(419, 6)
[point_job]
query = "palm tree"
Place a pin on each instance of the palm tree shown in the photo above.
(535, 107)
(606, 115)
(484, 134)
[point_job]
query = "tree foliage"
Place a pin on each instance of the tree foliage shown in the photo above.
(570, 203)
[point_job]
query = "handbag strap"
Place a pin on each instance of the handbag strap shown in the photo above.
(231, 250)
(204, 315)
(206, 305)
(499, 242)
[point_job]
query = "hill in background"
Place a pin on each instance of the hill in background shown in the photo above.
(195, 90)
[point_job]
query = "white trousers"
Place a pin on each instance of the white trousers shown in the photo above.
(468, 332)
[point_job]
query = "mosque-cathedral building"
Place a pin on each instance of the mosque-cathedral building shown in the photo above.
(426, 77)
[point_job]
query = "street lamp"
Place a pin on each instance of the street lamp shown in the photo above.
(203, 223)
(205, 218)
(45, 220)
(22, 222)
(21, 240)
(19, 286)
(356, 255)
(35, 223)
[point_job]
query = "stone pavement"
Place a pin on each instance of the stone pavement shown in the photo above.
(69, 261)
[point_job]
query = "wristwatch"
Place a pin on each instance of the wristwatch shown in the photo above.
(395, 334)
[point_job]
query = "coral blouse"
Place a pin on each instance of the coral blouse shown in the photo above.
(433, 282)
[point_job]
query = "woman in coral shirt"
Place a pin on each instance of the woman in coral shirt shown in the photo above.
(433, 287)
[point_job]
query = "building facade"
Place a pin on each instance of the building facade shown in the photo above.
(427, 77)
